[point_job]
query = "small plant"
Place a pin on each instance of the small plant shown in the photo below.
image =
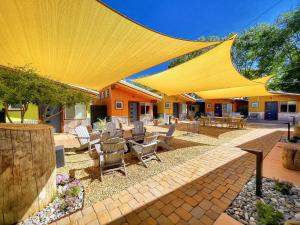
(74, 191)
(283, 187)
(100, 124)
(63, 205)
(62, 179)
(267, 214)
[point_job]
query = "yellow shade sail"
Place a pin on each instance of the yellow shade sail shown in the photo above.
(257, 89)
(209, 71)
(82, 42)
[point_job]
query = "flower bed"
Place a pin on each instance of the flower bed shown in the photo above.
(69, 199)
(281, 197)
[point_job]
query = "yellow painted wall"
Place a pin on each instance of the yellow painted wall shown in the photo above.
(31, 114)
(276, 98)
(161, 104)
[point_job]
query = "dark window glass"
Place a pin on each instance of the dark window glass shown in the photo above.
(292, 108)
(283, 108)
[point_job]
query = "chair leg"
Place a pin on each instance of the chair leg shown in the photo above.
(125, 169)
(157, 157)
(101, 173)
(140, 158)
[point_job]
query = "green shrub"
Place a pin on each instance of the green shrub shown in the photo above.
(74, 191)
(283, 187)
(100, 124)
(267, 214)
(63, 205)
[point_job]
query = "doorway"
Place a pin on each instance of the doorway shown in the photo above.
(176, 110)
(133, 111)
(155, 111)
(271, 110)
(218, 110)
(98, 112)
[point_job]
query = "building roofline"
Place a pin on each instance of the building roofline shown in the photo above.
(125, 83)
(284, 93)
(189, 97)
(88, 90)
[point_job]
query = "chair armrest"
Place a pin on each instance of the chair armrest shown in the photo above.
(135, 143)
(83, 137)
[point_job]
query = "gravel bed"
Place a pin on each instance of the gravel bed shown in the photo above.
(55, 210)
(243, 208)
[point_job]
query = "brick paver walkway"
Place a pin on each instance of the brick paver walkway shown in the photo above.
(195, 192)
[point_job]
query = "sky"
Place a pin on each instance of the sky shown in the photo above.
(191, 19)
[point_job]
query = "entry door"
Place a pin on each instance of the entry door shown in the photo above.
(271, 111)
(176, 110)
(218, 109)
(155, 111)
(133, 112)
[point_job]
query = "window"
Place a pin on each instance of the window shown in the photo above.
(168, 105)
(227, 108)
(183, 108)
(119, 105)
(15, 107)
(102, 95)
(208, 105)
(145, 108)
(254, 104)
(288, 106)
(77, 111)
(107, 93)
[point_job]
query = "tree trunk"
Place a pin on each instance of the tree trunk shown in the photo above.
(27, 170)
(291, 156)
(6, 112)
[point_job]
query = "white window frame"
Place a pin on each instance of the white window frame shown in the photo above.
(144, 104)
(184, 108)
(168, 105)
(74, 118)
(287, 106)
(106, 93)
(254, 104)
(119, 102)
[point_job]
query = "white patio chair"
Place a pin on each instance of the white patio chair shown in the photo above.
(147, 150)
(84, 137)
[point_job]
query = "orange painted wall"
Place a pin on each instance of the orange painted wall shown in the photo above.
(120, 93)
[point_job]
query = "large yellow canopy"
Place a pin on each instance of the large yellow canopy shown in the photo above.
(209, 71)
(81, 42)
(257, 89)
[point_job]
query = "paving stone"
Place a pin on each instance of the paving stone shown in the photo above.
(183, 214)
(174, 218)
(197, 212)
(167, 209)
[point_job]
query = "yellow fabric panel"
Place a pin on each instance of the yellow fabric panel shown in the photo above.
(257, 89)
(209, 71)
(82, 42)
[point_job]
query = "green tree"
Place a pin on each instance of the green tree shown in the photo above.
(267, 49)
(23, 86)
